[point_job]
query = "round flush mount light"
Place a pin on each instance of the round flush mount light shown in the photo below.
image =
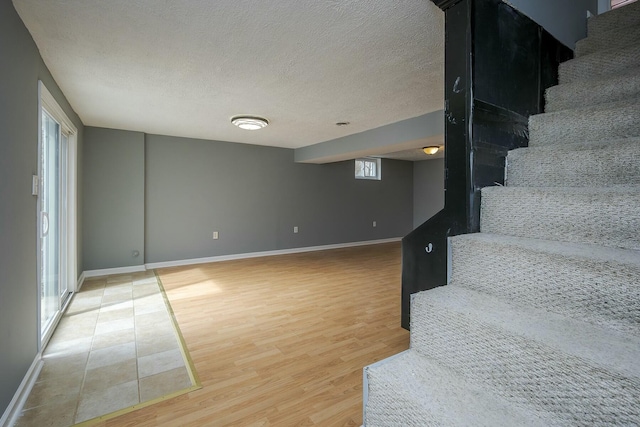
(343, 124)
(250, 122)
(431, 150)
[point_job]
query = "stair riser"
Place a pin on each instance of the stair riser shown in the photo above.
(396, 396)
(522, 370)
(614, 39)
(599, 65)
(411, 391)
(389, 403)
(574, 126)
(599, 292)
(389, 406)
(601, 166)
(602, 218)
(563, 97)
(626, 16)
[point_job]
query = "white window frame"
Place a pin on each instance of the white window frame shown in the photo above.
(378, 167)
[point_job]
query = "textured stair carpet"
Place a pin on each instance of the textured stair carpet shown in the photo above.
(612, 120)
(412, 387)
(550, 364)
(624, 17)
(618, 87)
(603, 216)
(588, 282)
(540, 321)
(599, 64)
(589, 164)
(616, 38)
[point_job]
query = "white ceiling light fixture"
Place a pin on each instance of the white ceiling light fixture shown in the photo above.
(250, 122)
(431, 150)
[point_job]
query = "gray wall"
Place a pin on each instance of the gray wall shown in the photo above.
(21, 68)
(428, 189)
(113, 188)
(564, 19)
(254, 196)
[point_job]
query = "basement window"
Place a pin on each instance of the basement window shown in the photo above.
(368, 169)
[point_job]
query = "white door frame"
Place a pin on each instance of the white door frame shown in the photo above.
(47, 102)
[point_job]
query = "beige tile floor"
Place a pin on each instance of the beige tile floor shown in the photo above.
(116, 346)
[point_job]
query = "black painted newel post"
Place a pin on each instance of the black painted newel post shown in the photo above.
(498, 63)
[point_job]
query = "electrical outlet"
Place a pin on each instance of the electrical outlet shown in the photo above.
(295, 229)
(215, 235)
(375, 224)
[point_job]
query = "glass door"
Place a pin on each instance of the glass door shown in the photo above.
(57, 212)
(53, 237)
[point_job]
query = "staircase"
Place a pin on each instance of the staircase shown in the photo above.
(540, 322)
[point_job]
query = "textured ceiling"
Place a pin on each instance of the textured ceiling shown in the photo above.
(184, 67)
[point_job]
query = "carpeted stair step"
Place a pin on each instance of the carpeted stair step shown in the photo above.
(585, 282)
(579, 372)
(601, 64)
(605, 40)
(593, 164)
(540, 322)
(594, 92)
(612, 120)
(410, 390)
(626, 16)
(603, 216)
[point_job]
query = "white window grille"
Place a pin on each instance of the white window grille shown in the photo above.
(368, 169)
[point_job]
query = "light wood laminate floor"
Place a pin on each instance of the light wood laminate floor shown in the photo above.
(282, 340)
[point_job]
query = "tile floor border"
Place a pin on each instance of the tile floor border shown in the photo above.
(184, 375)
(191, 369)
(140, 405)
(188, 363)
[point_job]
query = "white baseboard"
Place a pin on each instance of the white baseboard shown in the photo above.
(14, 409)
(80, 281)
(110, 271)
(232, 257)
(178, 263)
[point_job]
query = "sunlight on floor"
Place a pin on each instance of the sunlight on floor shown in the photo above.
(115, 347)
